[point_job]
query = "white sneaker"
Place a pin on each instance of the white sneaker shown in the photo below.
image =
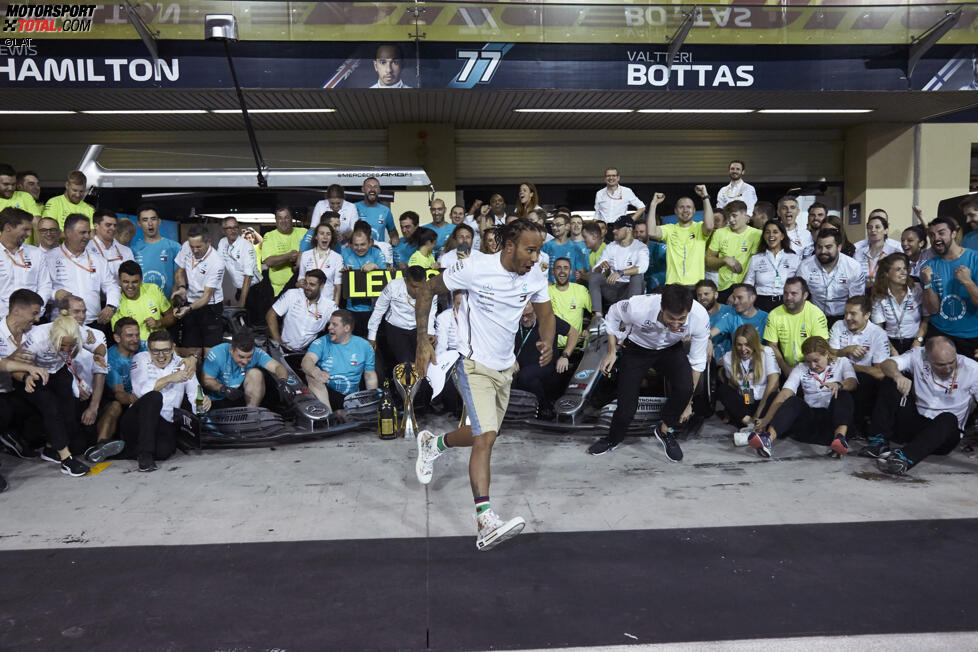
(427, 454)
(492, 530)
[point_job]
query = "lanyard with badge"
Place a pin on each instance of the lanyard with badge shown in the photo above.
(905, 305)
(114, 246)
(82, 383)
(315, 311)
(90, 269)
(525, 338)
(23, 262)
(745, 387)
(775, 263)
(315, 259)
(824, 379)
(730, 190)
(949, 388)
(194, 262)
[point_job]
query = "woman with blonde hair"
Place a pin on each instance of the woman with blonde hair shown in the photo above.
(898, 303)
(825, 413)
(53, 347)
(528, 200)
(751, 376)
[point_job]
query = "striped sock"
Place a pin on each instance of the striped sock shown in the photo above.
(440, 443)
(481, 504)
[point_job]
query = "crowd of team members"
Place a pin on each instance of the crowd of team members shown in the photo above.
(812, 337)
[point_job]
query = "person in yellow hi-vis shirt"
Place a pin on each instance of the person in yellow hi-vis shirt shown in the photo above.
(793, 322)
(144, 302)
(731, 248)
(70, 202)
(10, 196)
(569, 300)
(280, 249)
(685, 240)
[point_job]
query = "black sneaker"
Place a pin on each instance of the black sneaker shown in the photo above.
(602, 446)
(669, 443)
(104, 449)
(878, 447)
(50, 455)
(146, 463)
(12, 444)
(74, 468)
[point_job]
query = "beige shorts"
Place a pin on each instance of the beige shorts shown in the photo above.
(485, 392)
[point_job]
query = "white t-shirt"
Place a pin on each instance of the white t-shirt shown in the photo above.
(608, 206)
(491, 309)
(114, 255)
(830, 290)
(768, 272)
(348, 215)
(446, 332)
(145, 374)
(801, 241)
(872, 338)
(813, 385)
(240, 261)
(330, 264)
(25, 268)
(397, 306)
(934, 395)
(738, 190)
(869, 263)
(303, 320)
(86, 276)
(901, 319)
(208, 272)
(621, 258)
(638, 319)
(747, 370)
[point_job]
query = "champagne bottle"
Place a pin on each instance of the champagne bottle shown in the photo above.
(199, 402)
(387, 415)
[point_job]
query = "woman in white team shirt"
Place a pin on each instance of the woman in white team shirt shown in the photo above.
(773, 264)
(751, 375)
(323, 258)
(825, 413)
(876, 246)
(898, 303)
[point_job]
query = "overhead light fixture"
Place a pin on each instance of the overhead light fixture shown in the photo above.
(573, 110)
(696, 110)
(274, 110)
(815, 110)
(143, 111)
(34, 112)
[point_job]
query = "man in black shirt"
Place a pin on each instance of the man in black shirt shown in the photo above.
(546, 381)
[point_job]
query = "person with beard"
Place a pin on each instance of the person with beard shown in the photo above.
(128, 342)
(969, 208)
(562, 247)
(457, 216)
(832, 276)
(624, 261)
(706, 295)
(737, 189)
(950, 293)
(913, 242)
(21, 265)
(304, 311)
(377, 215)
(817, 213)
(570, 300)
(791, 323)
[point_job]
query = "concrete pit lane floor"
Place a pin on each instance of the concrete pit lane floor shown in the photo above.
(334, 545)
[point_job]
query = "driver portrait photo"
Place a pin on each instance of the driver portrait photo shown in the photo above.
(388, 63)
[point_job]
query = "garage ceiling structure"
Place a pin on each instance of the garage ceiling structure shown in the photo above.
(377, 109)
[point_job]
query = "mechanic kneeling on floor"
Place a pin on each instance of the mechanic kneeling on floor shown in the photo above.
(233, 372)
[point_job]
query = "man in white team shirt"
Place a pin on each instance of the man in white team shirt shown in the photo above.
(201, 295)
(652, 328)
(737, 188)
(832, 276)
(866, 345)
(75, 271)
(612, 201)
(104, 244)
(336, 201)
(396, 307)
(21, 265)
(926, 412)
(498, 288)
(304, 311)
(624, 261)
(240, 259)
(801, 240)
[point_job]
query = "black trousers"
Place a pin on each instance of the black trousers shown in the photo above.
(965, 346)
(360, 320)
(767, 303)
(401, 343)
(902, 344)
(732, 399)
(145, 431)
(542, 382)
(831, 319)
(634, 362)
(19, 416)
(864, 398)
(798, 420)
(56, 404)
(922, 436)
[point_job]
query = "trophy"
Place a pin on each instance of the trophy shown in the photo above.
(408, 383)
